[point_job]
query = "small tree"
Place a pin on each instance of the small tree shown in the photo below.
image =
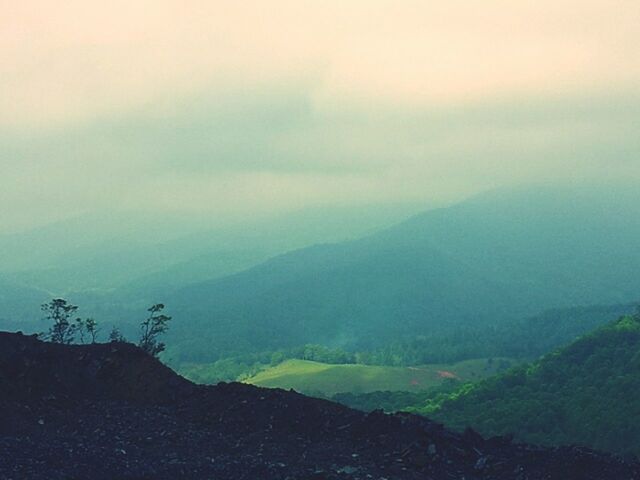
(87, 329)
(91, 326)
(80, 329)
(59, 311)
(116, 336)
(151, 328)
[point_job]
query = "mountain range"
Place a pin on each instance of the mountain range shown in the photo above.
(496, 257)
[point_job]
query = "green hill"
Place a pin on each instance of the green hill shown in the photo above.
(321, 378)
(586, 393)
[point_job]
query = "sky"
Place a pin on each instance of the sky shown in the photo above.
(229, 108)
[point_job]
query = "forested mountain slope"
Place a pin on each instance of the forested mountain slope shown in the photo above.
(497, 257)
(525, 338)
(585, 393)
(115, 264)
(139, 252)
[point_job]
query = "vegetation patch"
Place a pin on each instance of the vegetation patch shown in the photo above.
(583, 394)
(324, 379)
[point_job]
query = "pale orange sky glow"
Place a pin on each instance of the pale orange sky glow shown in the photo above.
(78, 59)
(268, 105)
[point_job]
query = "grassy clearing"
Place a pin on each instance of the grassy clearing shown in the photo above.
(313, 377)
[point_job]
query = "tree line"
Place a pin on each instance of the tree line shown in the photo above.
(66, 328)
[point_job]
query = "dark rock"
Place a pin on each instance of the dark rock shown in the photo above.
(111, 411)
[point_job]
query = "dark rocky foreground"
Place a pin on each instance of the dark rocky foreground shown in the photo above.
(111, 412)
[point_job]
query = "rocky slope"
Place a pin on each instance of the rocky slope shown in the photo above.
(110, 411)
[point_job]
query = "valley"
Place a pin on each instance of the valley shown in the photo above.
(324, 379)
(447, 315)
(320, 240)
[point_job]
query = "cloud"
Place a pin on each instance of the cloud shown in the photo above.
(276, 150)
(85, 59)
(232, 107)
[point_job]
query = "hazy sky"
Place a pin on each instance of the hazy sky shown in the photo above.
(259, 106)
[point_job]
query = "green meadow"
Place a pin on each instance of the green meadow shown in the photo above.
(320, 378)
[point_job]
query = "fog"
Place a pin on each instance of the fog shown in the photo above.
(214, 110)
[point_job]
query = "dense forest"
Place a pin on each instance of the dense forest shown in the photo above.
(583, 393)
(523, 339)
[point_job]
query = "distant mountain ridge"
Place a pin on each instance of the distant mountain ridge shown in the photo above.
(502, 255)
(20, 303)
(134, 253)
(115, 264)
